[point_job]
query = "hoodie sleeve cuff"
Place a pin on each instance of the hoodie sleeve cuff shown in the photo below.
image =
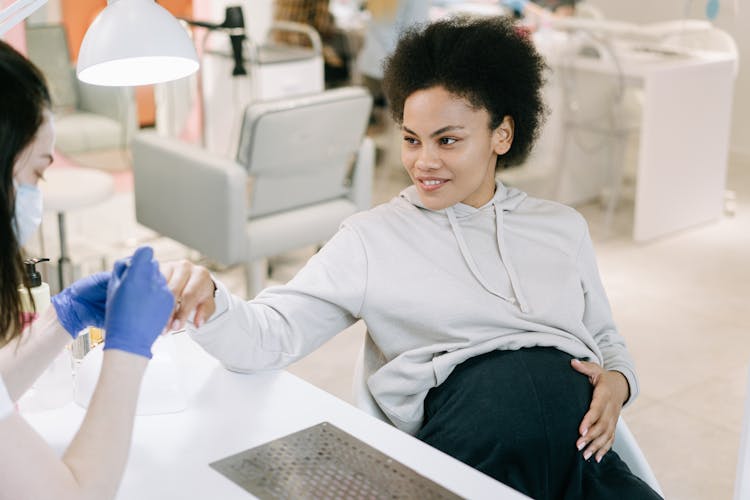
(632, 382)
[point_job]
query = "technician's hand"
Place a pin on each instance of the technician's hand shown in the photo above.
(597, 429)
(515, 5)
(193, 289)
(138, 304)
(82, 304)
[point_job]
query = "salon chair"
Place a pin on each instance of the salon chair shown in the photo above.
(742, 480)
(87, 117)
(303, 165)
(370, 359)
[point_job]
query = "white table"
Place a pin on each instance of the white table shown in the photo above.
(684, 132)
(228, 413)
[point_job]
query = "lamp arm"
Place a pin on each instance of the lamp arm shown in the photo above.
(17, 12)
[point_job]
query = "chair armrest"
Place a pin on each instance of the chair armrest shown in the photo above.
(190, 195)
(627, 448)
(362, 175)
(117, 103)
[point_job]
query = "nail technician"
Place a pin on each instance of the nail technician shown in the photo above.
(132, 303)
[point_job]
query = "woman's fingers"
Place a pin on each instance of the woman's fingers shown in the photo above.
(591, 370)
(197, 297)
(600, 439)
(177, 275)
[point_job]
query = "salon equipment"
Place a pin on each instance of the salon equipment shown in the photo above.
(234, 26)
(135, 42)
(16, 12)
(303, 166)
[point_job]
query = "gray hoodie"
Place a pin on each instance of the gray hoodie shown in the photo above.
(434, 288)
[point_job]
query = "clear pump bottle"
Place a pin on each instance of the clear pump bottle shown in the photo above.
(54, 387)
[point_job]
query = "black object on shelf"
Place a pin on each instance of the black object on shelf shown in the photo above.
(234, 26)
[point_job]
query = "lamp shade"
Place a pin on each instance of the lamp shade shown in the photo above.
(135, 42)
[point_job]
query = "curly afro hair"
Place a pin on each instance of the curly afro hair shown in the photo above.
(487, 61)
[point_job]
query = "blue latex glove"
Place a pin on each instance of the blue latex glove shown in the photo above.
(82, 303)
(138, 304)
(515, 5)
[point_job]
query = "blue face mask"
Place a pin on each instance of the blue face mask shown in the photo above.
(28, 211)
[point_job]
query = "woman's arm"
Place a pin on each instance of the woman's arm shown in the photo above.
(615, 382)
(26, 357)
(285, 323)
(138, 304)
(80, 305)
(93, 463)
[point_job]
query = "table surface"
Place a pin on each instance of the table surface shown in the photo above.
(228, 413)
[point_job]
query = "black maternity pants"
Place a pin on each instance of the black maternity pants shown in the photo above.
(514, 415)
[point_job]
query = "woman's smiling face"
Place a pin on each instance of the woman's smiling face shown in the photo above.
(448, 149)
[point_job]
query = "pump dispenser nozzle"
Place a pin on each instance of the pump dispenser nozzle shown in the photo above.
(34, 277)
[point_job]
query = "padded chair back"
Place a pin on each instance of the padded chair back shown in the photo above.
(190, 195)
(301, 151)
(47, 47)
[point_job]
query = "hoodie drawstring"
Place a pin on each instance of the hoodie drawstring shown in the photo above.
(519, 298)
(515, 285)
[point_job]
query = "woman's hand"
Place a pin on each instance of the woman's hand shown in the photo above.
(193, 289)
(83, 303)
(597, 429)
(138, 304)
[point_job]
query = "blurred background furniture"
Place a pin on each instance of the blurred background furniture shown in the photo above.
(66, 189)
(87, 117)
(680, 169)
(303, 166)
(273, 70)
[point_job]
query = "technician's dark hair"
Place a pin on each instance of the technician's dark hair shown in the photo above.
(23, 98)
(488, 61)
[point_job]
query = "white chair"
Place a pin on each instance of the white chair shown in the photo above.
(742, 480)
(370, 359)
(303, 166)
(87, 117)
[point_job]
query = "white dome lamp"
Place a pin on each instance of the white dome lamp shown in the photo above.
(135, 42)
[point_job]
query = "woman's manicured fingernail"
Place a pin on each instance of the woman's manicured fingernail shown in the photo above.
(581, 445)
(585, 431)
(599, 459)
(176, 324)
(587, 455)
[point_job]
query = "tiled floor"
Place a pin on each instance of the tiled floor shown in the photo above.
(681, 302)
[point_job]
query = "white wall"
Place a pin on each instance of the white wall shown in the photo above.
(736, 23)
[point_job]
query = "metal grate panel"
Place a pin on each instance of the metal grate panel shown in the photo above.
(325, 462)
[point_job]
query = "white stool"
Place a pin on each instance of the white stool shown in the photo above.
(70, 188)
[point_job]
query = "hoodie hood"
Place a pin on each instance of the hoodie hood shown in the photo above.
(505, 200)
